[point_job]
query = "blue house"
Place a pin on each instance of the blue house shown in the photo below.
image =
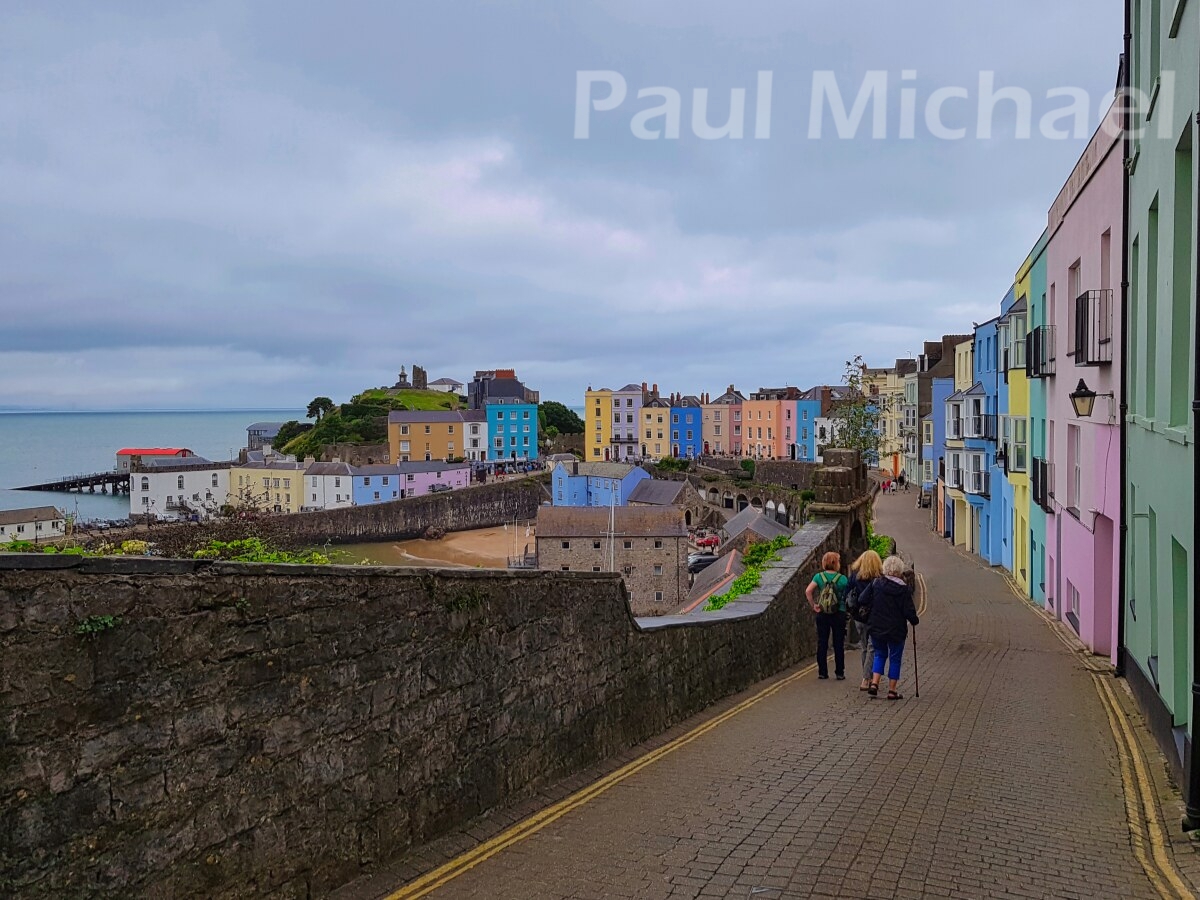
(595, 484)
(376, 484)
(687, 428)
(512, 427)
(808, 410)
(933, 455)
(982, 432)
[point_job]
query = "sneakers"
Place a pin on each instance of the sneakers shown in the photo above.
(823, 677)
(841, 678)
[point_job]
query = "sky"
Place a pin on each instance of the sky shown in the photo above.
(252, 204)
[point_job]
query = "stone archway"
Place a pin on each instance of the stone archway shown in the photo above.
(757, 503)
(687, 518)
(727, 500)
(742, 502)
(858, 539)
(781, 514)
(769, 509)
(714, 496)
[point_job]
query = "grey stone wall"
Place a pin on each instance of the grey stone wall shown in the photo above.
(481, 506)
(640, 581)
(275, 730)
(796, 476)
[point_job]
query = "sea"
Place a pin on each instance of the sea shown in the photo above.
(37, 447)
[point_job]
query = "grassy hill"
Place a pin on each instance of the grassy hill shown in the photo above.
(364, 419)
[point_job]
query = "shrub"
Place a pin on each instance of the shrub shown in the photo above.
(748, 467)
(756, 558)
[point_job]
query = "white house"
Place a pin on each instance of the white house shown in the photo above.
(475, 439)
(447, 386)
(328, 485)
(178, 487)
(40, 523)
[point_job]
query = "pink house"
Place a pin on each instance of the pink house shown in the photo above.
(419, 478)
(1082, 493)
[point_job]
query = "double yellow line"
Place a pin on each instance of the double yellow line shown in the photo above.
(431, 881)
(1146, 833)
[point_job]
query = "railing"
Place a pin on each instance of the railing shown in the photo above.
(1093, 328)
(978, 483)
(1039, 352)
(1043, 483)
(525, 561)
(981, 427)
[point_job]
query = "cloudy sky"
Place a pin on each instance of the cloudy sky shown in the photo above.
(249, 204)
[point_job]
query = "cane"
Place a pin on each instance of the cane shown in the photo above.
(916, 670)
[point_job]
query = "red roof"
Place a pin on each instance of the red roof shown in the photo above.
(154, 451)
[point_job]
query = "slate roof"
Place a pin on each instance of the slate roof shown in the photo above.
(729, 398)
(600, 469)
(715, 579)
(593, 521)
(976, 390)
(425, 417)
(447, 381)
(750, 519)
(177, 462)
(657, 492)
(418, 467)
(267, 428)
(32, 514)
(329, 468)
(629, 389)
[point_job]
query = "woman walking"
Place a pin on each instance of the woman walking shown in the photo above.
(863, 572)
(891, 612)
(826, 595)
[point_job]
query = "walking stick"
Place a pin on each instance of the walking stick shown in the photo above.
(916, 670)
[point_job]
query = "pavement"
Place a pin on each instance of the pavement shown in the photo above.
(1020, 771)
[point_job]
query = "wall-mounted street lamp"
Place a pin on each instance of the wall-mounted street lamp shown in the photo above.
(1083, 399)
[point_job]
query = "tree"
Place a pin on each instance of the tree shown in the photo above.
(857, 420)
(318, 408)
(290, 430)
(562, 418)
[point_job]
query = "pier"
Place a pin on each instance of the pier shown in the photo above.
(107, 482)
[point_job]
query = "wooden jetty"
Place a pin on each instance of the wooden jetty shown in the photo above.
(107, 482)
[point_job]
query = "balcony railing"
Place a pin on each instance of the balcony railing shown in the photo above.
(1043, 483)
(1093, 328)
(978, 483)
(1039, 352)
(980, 427)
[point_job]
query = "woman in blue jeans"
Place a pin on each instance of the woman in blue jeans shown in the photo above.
(892, 610)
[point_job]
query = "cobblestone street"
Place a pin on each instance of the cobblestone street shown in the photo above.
(1002, 780)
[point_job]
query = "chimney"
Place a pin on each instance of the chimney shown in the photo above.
(575, 467)
(643, 387)
(308, 460)
(731, 389)
(656, 389)
(336, 459)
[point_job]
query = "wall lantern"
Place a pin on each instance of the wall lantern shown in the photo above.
(1083, 399)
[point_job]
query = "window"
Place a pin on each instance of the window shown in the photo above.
(377, 495)
(427, 430)
(628, 545)
(1075, 482)
(674, 418)
(366, 481)
(385, 479)
(566, 568)
(214, 479)
(595, 568)
(146, 483)
(658, 570)
(314, 498)
(337, 482)
(404, 429)
(689, 435)
(525, 414)
(658, 545)
(716, 415)
(566, 545)
(404, 447)
(628, 401)
(595, 545)
(287, 482)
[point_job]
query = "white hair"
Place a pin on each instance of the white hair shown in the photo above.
(894, 566)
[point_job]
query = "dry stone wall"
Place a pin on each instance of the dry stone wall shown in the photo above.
(273, 731)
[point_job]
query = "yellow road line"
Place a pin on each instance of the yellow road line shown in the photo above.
(431, 881)
(1155, 834)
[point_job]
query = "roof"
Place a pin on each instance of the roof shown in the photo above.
(419, 466)
(750, 519)
(561, 457)
(265, 427)
(957, 395)
(32, 514)
(629, 389)
(688, 402)
(714, 579)
(447, 381)
(729, 398)
(278, 465)
(178, 462)
(976, 390)
(329, 468)
(601, 469)
(152, 451)
(657, 492)
(424, 417)
(594, 521)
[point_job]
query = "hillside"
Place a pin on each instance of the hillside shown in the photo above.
(364, 419)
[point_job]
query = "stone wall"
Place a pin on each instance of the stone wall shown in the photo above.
(275, 730)
(796, 476)
(481, 506)
(356, 454)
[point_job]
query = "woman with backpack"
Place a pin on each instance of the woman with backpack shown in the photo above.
(892, 610)
(863, 572)
(826, 595)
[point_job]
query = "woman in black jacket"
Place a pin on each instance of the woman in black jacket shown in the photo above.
(892, 610)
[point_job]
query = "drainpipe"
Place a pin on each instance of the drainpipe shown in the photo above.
(1123, 531)
(1191, 820)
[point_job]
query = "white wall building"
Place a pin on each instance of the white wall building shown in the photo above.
(36, 524)
(178, 487)
(328, 485)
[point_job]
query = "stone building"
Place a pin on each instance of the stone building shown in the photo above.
(647, 545)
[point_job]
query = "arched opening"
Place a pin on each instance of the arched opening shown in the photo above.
(687, 518)
(858, 539)
(770, 508)
(714, 496)
(727, 500)
(757, 503)
(781, 514)
(742, 502)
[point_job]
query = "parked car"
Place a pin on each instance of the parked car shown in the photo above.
(709, 542)
(698, 562)
(438, 488)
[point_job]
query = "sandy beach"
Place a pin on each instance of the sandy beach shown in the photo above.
(482, 548)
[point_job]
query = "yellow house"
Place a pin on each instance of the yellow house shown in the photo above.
(276, 485)
(958, 469)
(654, 432)
(425, 435)
(597, 424)
(1014, 429)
